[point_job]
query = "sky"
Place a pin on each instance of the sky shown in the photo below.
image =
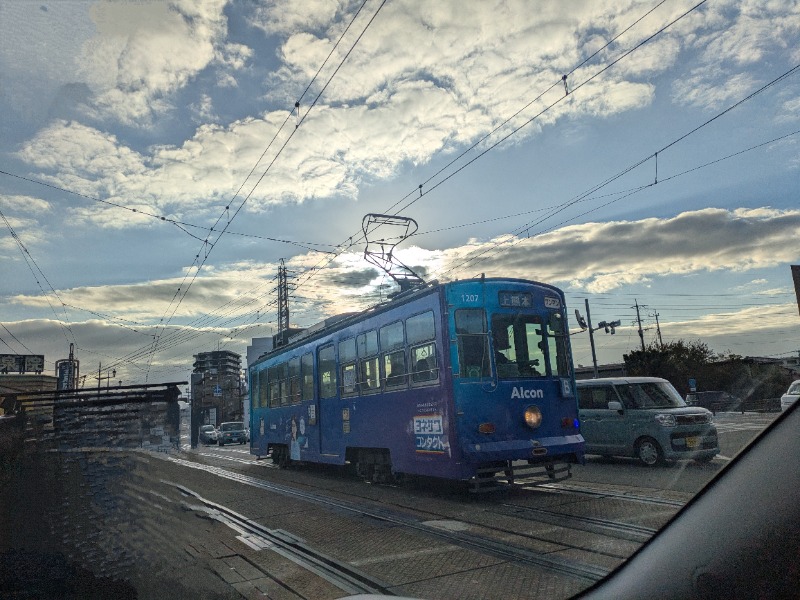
(160, 160)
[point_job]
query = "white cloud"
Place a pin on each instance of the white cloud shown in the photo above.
(144, 52)
(24, 204)
(21, 214)
(700, 89)
(425, 79)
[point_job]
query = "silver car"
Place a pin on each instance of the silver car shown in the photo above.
(791, 395)
(207, 434)
(643, 417)
(232, 432)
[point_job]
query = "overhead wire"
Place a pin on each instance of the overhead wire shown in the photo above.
(28, 257)
(350, 243)
(344, 245)
(579, 198)
(280, 150)
(155, 345)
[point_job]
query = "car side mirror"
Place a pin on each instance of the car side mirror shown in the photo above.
(615, 405)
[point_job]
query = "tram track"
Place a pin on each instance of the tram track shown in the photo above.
(605, 493)
(617, 529)
(603, 527)
(498, 548)
(340, 574)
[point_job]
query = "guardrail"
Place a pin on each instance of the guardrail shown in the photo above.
(737, 405)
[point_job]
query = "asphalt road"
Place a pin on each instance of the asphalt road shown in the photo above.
(735, 431)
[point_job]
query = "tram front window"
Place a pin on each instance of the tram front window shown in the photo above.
(519, 349)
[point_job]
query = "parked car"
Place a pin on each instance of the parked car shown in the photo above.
(230, 432)
(643, 417)
(791, 395)
(207, 434)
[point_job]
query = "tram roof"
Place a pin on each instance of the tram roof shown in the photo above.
(342, 320)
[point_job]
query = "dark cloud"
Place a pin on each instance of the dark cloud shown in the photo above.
(704, 240)
(354, 278)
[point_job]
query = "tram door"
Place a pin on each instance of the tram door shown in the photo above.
(329, 408)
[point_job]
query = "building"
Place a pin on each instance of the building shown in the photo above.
(14, 388)
(217, 386)
(608, 370)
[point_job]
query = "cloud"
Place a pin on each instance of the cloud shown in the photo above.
(20, 215)
(700, 89)
(597, 257)
(603, 256)
(237, 301)
(732, 36)
(144, 52)
(425, 80)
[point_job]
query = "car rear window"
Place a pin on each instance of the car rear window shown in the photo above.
(232, 426)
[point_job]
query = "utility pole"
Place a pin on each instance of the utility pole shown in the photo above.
(658, 330)
(591, 338)
(609, 326)
(639, 320)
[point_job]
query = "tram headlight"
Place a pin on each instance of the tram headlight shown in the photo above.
(533, 417)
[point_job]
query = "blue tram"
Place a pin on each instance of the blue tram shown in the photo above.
(470, 380)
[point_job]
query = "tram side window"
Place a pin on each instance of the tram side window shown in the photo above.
(420, 328)
(369, 381)
(277, 385)
(473, 342)
(394, 365)
(347, 362)
(262, 388)
(559, 361)
(294, 380)
(307, 376)
(327, 372)
(423, 361)
(394, 355)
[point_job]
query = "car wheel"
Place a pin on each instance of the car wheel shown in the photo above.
(649, 452)
(220, 443)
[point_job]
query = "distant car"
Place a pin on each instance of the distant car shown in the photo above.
(643, 417)
(230, 432)
(714, 401)
(791, 395)
(208, 434)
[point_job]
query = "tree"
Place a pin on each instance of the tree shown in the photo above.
(680, 361)
(676, 362)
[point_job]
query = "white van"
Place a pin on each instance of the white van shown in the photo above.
(643, 417)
